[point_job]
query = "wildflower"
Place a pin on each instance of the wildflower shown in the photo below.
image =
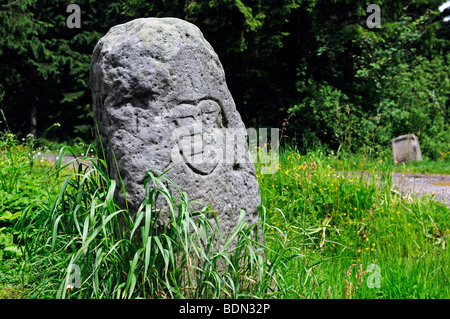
(359, 250)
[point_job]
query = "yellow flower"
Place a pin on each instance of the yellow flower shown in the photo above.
(359, 250)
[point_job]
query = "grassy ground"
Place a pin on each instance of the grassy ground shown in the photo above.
(353, 231)
(427, 166)
(327, 236)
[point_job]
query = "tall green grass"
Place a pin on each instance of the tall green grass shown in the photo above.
(124, 256)
(350, 218)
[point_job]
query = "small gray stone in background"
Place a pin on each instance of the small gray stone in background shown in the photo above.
(161, 101)
(406, 148)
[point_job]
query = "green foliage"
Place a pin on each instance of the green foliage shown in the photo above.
(48, 64)
(23, 180)
(387, 92)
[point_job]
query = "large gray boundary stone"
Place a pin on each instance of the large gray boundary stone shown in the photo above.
(152, 77)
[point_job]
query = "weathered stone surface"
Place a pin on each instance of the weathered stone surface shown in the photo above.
(406, 148)
(161, 101)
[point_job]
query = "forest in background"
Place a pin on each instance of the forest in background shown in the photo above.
(341, 84)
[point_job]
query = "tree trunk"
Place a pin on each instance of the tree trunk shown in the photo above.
(33, 121)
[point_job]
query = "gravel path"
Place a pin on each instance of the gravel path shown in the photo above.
(422, 184)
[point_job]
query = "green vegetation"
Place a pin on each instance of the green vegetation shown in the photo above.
(427, 166)
(350, 221)
(322, 229)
